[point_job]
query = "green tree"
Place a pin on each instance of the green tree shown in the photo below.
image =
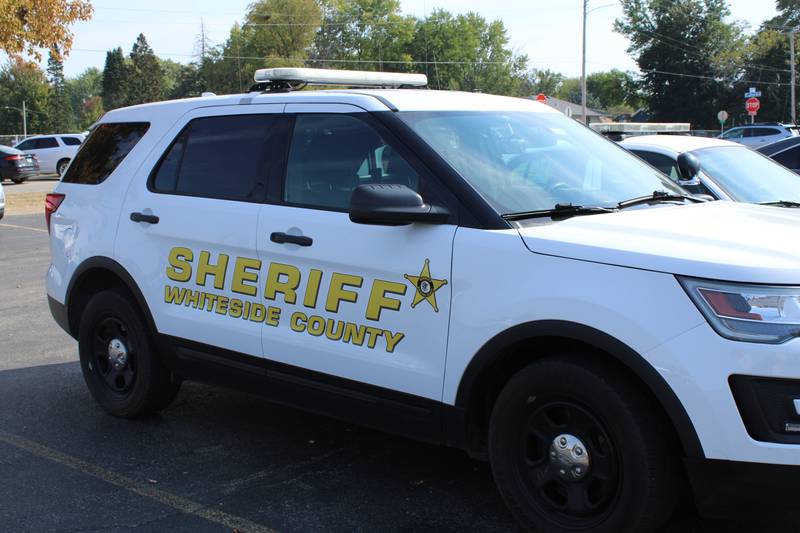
(465, 52)
(614, 89)
(60, 118)
(364, 35)
(679, 47)
(115, 79)
(23, 81)
(275, 33)
(84, 92)
(146, 78)
(542, 81)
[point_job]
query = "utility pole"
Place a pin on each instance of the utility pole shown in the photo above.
(24, 121)
(794, 73)
(583, 66)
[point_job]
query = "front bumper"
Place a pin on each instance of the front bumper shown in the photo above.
(699, 366)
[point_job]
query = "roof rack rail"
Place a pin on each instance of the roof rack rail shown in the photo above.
(287, 79)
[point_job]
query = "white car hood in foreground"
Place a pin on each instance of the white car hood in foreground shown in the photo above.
(718, 240)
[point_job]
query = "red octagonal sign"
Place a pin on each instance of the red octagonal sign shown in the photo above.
(752, 105)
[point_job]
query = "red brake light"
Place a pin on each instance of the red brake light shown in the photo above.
(14, 157)
(51, 203)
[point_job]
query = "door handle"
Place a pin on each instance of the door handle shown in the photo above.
(283, 238)
(141, 217)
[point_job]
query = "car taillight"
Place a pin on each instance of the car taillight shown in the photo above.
(51, 203)
(15, 157)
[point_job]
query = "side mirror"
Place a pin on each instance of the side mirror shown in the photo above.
(689, 168)
(392, 205)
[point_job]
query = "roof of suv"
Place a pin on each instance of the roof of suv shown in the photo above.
(368, 99)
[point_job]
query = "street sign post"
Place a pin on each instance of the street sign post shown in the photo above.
(722, 116)
(752, 105)
(752, 93)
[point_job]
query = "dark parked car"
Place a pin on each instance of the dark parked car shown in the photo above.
(786, 152)
(16, 165)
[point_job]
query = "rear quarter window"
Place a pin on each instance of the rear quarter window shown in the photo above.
(103, 151)
(71, 141)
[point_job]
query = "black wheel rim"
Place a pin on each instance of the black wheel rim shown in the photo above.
(114, 356)
(572, 494)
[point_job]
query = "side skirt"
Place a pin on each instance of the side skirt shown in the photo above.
(351, 401)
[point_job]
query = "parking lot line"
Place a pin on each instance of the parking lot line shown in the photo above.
(22, 227)
(171, 500)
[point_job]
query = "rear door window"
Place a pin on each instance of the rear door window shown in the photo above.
(103, 151)
(665, 164)
(763, 132)
(225, 157)
(44, 143)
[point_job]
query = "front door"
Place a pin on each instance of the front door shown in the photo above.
(368, 303)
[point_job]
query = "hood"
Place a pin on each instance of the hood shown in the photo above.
(717, 240)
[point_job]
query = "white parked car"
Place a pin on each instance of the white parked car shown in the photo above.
(54, 152)
(722, 169)
(756, 135)
(471, 270)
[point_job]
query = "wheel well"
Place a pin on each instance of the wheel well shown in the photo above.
(91, 282)
(492, 378)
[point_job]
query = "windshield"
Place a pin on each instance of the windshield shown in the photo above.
(528, 161)
(748, 176)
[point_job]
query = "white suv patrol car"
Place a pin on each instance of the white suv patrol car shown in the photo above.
(472, 270)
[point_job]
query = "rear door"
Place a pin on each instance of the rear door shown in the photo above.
(187, 231)
(47, 151)
(362, 302)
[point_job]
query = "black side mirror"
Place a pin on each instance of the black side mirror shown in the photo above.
(688, 167)
(392, 205)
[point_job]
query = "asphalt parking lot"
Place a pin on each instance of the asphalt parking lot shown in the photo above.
(216, 460)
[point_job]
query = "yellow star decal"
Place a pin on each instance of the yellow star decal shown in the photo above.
(426, 286)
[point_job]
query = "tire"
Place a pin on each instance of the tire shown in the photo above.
(134, 384)
(575, 446)
(18, 180)
(61, 166)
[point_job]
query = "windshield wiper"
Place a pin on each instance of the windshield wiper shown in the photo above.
(657, 196)
(781, 203)
(560, 211)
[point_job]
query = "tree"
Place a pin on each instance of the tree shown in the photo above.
(23, 81)
(465, 52)
(146, 78)
(364, 34)
(614, 89)
(29, 25)
(678, 47)
(84, 92)
(115, 80)
(59, 112)
(275, 33)
(542, 81)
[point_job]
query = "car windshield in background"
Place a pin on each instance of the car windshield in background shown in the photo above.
(748, 176)
(534, 161)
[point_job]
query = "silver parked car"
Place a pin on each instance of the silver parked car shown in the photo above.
(755, 135)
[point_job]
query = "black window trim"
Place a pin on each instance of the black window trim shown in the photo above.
(442, 193)
(283, 139)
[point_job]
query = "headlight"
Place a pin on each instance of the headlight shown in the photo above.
(750, 313)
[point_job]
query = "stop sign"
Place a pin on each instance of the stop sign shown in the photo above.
(541, 97)
(752, 105)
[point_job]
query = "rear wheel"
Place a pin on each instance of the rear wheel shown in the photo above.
(61, 166)
(119, 364)
(575, 447)
(18, 180)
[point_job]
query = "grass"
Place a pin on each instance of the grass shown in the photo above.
(24, 203)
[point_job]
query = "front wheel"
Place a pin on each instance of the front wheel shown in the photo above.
(61, 167)
(574, 446)
(18, 180)
(118, 360)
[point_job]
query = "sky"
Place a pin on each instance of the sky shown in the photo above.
(548, 31)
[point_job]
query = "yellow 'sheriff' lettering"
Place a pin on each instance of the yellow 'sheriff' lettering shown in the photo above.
(312, 288)
(378, 300)
(337, 292)
(206, 268)
(282, 279)
(243, 274)
(180, 264)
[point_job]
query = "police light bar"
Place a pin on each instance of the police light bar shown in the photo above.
(641, 127)
(353, 78)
